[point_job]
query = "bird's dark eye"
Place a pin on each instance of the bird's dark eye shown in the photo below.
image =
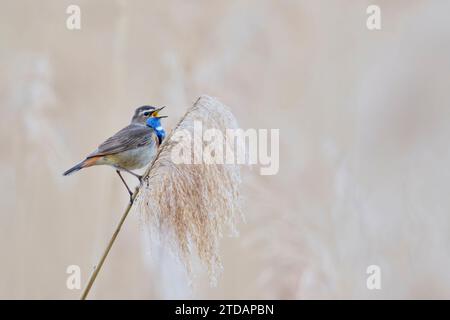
(146, 114)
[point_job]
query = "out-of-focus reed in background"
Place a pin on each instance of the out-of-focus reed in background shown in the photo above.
(363, 118)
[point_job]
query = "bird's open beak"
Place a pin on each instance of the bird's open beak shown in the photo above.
(156, 113)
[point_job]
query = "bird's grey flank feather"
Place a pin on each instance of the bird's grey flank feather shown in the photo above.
(131, 137)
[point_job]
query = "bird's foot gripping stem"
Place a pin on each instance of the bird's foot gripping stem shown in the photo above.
(126, 186)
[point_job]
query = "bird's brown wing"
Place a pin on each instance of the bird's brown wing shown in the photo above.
(131, 137)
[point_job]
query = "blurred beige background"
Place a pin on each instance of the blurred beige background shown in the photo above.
(364, 119)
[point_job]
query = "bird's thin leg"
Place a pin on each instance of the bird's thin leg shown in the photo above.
(126, 186)
(132, 173)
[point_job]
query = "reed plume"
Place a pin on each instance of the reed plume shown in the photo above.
(189, 206)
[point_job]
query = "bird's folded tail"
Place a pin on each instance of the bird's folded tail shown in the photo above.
(83, 164)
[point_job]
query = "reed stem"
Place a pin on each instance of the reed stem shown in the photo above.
(108, 248)
(122, 220)
(144, 179)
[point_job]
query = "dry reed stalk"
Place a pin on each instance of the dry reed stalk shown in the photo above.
(188, 205)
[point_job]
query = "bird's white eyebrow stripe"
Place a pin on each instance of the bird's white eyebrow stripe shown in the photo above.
(146, 110)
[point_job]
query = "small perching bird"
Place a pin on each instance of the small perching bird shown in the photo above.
(131, 148)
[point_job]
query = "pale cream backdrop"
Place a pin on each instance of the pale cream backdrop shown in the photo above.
(364, 151)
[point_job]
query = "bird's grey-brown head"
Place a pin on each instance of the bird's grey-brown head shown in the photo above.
(143, 113)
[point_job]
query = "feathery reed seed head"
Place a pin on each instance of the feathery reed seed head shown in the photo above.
(189, 206)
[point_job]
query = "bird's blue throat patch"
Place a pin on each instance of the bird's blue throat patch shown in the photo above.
(155, 124)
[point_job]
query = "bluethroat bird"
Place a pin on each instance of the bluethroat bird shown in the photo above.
(131, 148)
